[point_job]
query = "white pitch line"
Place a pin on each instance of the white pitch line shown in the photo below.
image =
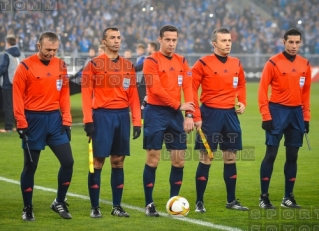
(77, 124)
(185, 219)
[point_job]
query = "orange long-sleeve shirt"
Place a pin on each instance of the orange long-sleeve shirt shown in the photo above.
(165, 78)
(290, 84)
(38, 87)
(221, 83)
(111, 85)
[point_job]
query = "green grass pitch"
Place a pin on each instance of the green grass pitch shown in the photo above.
(217, 216)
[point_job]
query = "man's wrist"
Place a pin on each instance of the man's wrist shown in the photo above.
(189, 115)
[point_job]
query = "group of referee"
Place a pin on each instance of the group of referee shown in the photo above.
(109, 98)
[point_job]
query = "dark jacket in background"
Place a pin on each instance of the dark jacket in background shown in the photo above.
(14, 51)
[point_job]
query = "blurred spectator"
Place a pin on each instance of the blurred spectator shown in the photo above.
(84, 45)
(140, 50)
(102, 49)
(151, 47)
(199, 46)
(2, 36)
(127, 54)
(92, 54)
(10, 61)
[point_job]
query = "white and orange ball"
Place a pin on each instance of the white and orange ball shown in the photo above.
(177, 206)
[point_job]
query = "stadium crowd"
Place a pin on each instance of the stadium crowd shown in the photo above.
(80, 24)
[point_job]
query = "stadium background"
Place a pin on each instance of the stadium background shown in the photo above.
(256, 26)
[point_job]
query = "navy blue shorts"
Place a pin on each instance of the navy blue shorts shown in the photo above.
(111, 132)
(221, 126)
(44, 128)
(287, 121)
(163, 124)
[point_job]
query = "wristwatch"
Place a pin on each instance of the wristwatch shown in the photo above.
(189, 115)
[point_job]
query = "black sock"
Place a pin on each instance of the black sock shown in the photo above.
(27, 183)
(176, 180)
(230, 177)
(201, 180)
(94, 182)
(27, 175)
(266, 168)
(64, 180)
(117, 183)
(290, 169)
(64, 154)
(149, 182)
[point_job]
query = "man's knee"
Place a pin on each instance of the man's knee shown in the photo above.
(117, 161)
(204, 158)
(68, 164)
(271, 154)
(292, 154)
(98, 162)
(229, 157)
(152, 157)
(30, 168)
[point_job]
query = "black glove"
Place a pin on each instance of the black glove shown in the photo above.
(136, 132)
(267, 125)
(67, 129)
(89, 129)
(144, 103)
(22, 133)
(306, 126)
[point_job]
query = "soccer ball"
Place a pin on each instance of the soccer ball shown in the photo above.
(177, 206)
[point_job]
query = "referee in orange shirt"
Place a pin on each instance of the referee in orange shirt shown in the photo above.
(285, 113)
(222, 79)
(41, 100)
(109, 94)
(166, 74)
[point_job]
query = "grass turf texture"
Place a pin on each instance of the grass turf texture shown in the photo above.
(248, 189)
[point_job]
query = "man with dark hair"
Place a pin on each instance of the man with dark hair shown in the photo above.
(10, 60)
(166, 75)
(42, 110)
(286, 112)
(151, 48)
(222, 80)
(108, 91)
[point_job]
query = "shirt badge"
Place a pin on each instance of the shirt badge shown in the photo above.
(59, 84)
(235, 82)
(126, 83)
(302, 81)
